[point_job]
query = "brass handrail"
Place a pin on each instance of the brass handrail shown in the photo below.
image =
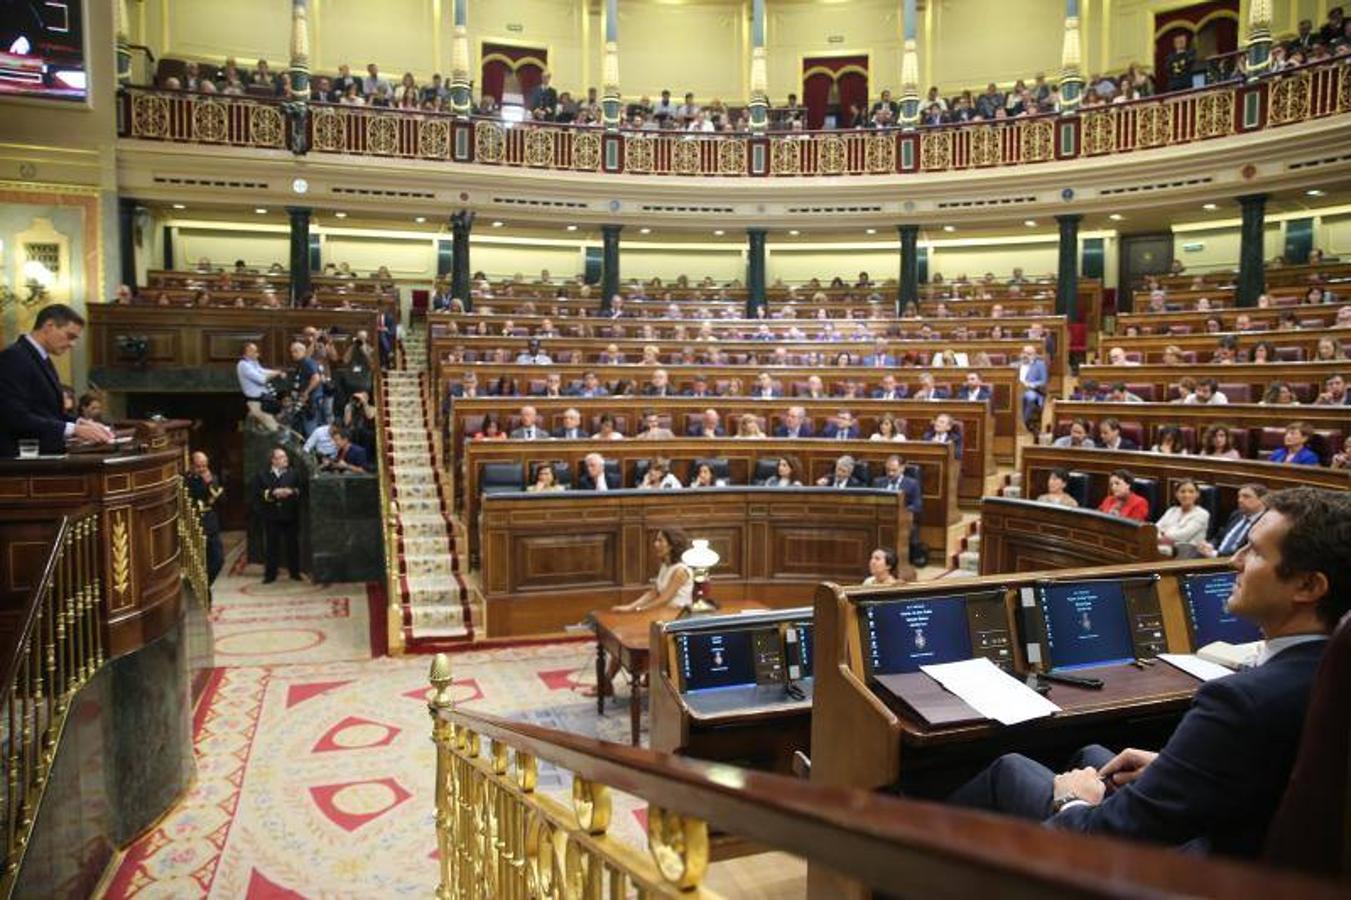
(57, 647)
(388, 521)
(193, 541)
(498, 837)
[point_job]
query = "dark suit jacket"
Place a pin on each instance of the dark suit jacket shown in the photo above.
(805, 431)
(356, 455)
(1126, 444)
(275, 509)
(562, 433)
(954, 438)
(938, 393)
(205, 496)
(900, 393)
(585, 483)
(914, 495)
(832, 432)
(981, 395)
(1234, 518)
(697, 430)
(30, 401)
(651, 390)
(1219, 778)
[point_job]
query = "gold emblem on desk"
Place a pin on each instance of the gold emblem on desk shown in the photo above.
(121, 562)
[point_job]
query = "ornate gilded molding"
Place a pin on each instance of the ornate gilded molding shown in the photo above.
(119, 562)
(586, 150)
(985, 146)
(490, 142)
(1099, 131)
(785, 157)
(1290, 99)
(1215, 114)
(639, 153)
(1036, 140)
(935, 150)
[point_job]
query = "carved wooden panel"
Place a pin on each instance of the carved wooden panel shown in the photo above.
(544, 562)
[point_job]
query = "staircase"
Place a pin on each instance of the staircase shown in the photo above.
(432, 591)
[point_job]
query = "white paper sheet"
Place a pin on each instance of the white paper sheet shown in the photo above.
(1195, 666)
(991, 691)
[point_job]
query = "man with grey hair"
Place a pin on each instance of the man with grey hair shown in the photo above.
(529, 429)
(593, 474)
(844, 476)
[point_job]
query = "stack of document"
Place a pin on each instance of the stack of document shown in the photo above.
(991, 691)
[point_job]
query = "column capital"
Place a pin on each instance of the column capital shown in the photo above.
(611, 229)
(1066, 218)
(1250, 199)
(295, 211)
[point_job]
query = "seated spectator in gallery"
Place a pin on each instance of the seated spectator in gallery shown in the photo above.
(607, 430)
(490, 430)
(1334, 392)
(590, 387)
(704, 478)
(882, 565)
(764, 388)
(795, 424)
(1169, 439)
(889, 389)
(708, 426)
(889, 429)
(943, 431)
(1183, 526)
(927, 390)
(593, 477)
(1121, 501)
(571, 429)
(658, 476)
(973, 389)
(1056, 482)
(1208, 393)
(653, 430)
(1078, 436)
(843, 476)
(842, 428)
(1218, 442)
(529, 429)
(1296, 450)
(785, 474)
(1111, 438)
(659, 386)
(1250, 504)
(748, 428)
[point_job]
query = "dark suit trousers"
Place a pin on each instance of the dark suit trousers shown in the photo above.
(215, 557)
(282, 535)
(1022, 787)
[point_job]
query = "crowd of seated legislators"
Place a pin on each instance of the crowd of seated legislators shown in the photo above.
(1295, 443)
(1227, 351)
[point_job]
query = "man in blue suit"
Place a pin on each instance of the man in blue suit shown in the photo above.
(843, 428)
(795, 424)
(1217, 782)
(30, 389)
(1032, 378)
(889, 389)
(880, 358)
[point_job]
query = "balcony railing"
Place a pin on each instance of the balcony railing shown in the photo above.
(1311, 92)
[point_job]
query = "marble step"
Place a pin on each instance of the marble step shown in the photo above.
(973, 543)
(968, 561)
(405, 476)
(417, 491)
(420, 506)
(1013, 492)
(1015, 479)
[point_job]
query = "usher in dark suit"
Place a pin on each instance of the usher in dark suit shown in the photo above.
(1215, 785)
(30, 400)
(281, 519)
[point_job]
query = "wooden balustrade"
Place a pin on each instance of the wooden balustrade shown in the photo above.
(816, 457)
(1026, 536)
(1277, 275)
(549, 559)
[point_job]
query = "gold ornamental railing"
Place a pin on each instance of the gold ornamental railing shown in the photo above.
(500, 836)
(192, 540)
(1314, 91)
(57, 648)
(389, 523)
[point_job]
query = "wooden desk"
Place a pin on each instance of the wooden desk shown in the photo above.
(1026, 536)
(1305, 378)
(625, 637)
(1150, 347)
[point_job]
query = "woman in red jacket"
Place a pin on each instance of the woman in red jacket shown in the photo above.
(1121, 500)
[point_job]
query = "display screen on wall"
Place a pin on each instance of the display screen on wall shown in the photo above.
(42, 49)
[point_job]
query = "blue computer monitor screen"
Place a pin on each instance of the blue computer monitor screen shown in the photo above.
(803, 657)
(716, 659)
(1207, 599)
(1086, 624)
(901, 636)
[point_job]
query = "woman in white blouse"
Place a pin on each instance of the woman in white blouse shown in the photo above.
(659, 476)
(887, 430)
(1183, 526)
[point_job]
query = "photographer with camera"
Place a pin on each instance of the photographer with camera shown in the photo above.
(255, 381)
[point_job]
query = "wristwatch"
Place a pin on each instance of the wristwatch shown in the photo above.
(1063, 800)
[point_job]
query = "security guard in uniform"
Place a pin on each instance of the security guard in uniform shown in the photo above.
(205, 491)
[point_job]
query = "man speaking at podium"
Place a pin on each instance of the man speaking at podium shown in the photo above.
(30, 389)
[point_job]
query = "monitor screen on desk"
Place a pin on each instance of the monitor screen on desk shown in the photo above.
(716, 659)
(1087, 623)
(1207, 597)
(798, 638)
(901, 636)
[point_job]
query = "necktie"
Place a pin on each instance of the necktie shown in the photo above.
(1234, 538)
(843, 434)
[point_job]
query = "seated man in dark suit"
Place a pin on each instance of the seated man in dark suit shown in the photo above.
(1234, 533)
(593, 477)
(351, 457)
(553, 386)
(844, 476)
(944, 431)
(927, 390)
(1109, 430)
(571, 429)
(764, 388)
(843, 428)
(1217, 782)
(973, 389)
(708, 426)
(30, 390)
(700, 388)
(659, 386)
(590, 387)
(896, 480)
(889, 389)
(795, 424)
